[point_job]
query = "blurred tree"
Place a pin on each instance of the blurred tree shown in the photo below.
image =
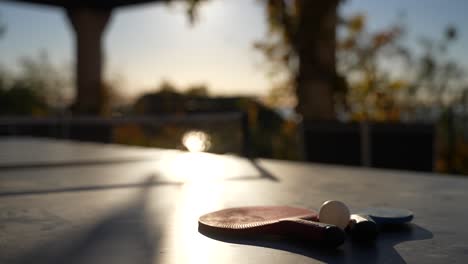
(115, 101)
(437, 72)
(301, 44)
(165, 99)
(192, 7)
(167, 87)
(198, 90)
(361, 57)
(2, 27)
(300, 50)
(39, 87)
(21, 99)
(46, 79)
(386, 78)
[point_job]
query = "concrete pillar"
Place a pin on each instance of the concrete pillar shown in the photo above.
(89, 25)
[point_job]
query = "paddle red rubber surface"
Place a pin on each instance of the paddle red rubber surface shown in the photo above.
(270, 220)
(255, 216)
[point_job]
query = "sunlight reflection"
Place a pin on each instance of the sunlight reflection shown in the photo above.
(196, 166)
(201, 192)
(196, 141)
(204, 167)
(204, 189)
(196, 199)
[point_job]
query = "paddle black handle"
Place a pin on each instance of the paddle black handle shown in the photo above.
(316, 232)
(362, 228)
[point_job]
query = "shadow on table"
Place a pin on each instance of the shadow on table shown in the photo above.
(122, 237)
(382, 251)
(154, 181)
(86, 188)
(263, 174)
(67, 164)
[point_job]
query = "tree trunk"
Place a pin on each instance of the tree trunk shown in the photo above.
(315, 45)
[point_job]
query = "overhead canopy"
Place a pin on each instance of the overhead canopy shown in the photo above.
(97, 4)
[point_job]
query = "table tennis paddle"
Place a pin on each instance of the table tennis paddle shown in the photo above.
(388, 215)
(364, 225)
(283, 221)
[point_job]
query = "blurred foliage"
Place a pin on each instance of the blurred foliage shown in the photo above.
(2, 28)
(37, 88)
(198, 91)
(279, 46)
(20, 99)
(40, 74)
(387, 79)
(191, 7)
(115, 103)
(372, 90)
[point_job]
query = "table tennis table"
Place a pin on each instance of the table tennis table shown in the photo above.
(76, 202)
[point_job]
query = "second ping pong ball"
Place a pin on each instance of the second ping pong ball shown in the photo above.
(335, 213)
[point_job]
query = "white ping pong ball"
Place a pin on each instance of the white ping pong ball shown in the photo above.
(335, 213)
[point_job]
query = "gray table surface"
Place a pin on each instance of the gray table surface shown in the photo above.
(69, 202)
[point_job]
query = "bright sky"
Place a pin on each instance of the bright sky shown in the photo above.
(149, 43)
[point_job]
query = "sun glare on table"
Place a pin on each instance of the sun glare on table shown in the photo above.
(196, 141)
